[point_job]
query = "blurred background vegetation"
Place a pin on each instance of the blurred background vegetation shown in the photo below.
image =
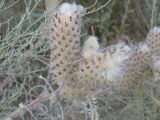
(24, 52)
(132, 18)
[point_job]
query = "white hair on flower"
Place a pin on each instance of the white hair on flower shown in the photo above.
(69, 8)
(91, 47)
(144, 47)
(155, 30)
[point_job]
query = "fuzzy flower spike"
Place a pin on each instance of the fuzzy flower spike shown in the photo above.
(65, 47)
(90, 47)
(153, 41)
(65, 39)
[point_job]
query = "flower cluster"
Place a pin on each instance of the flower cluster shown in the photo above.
(87, 69)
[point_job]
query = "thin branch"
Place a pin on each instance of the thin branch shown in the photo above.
(71, 110)
(103, 92)
(92, 5)
(95, 10)
(153, 13)
(75, 107)
(35, 103)
(9, 6)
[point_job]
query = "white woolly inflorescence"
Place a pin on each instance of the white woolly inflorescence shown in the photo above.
(90, 47)
(136, 64)
(65, 39)
(141, 57)
(68, 9)
(153, 41)
(156, 66)
(65, 45)
(116, 57)
(92, 74)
